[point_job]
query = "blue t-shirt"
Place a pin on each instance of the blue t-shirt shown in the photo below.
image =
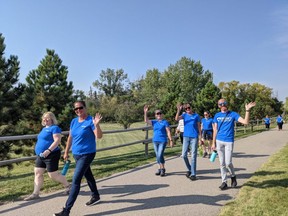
(45, 138)
(279, 119)
(207, 123)
(191, 125)
(159, 130)
(83, 137)
(267, 120)
(226, 131)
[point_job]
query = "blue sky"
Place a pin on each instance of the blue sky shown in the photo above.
(243, 40)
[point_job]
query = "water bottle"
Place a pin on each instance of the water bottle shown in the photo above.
(65, 167)
(213, 156)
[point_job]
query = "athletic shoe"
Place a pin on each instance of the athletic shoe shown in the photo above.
(158, 172)
(188, 173)
(64, 212)
(193, 178)
(93, 201)
(223, 186)
(205, 154)
(233, 182)
(162, 173)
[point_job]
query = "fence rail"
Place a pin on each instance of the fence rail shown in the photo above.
(145, 141)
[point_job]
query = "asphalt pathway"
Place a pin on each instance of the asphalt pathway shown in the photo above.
(139, 192)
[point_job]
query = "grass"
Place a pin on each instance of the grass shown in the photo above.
(266, 192)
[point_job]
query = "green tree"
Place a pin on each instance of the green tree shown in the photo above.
(51, 91)
(111, 82)
(126, 114)
(10, 94)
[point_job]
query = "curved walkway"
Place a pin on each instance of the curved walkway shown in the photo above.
(139, 192)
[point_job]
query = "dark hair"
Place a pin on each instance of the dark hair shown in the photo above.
(80, 101)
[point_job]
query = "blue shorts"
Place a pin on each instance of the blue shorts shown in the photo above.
(51, 163)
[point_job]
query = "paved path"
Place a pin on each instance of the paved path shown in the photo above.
(139, 192)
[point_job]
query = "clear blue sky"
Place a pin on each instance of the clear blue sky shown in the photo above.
(243, 40)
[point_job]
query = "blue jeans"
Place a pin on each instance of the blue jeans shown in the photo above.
(82, 169)
(159, 148)
(193, 143)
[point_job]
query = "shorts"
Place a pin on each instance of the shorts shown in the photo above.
(51, 163)
(207, 134)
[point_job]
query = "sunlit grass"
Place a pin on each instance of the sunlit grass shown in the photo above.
(266, 192)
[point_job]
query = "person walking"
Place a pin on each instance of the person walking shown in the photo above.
(223, 138)
(161, 131)
(207, 133)
(279, 121)
(267, 122)
(84, 129)
(191, 136)
(180, 129)
(48, 155)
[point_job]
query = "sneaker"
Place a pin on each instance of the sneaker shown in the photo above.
(188, 173)
(32, 197)
(193, 178)
(64, 212)
(93, 201)
(205, 154)
(67, 190)
(209, 155)
(233, 182)
(223, 186)
(162, 172)
(158, 172)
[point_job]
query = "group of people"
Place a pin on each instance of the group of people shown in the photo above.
(218, 131)
(84, 130)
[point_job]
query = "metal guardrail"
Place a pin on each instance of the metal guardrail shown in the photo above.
(146, 141)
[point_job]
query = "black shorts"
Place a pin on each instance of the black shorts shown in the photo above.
(207, 134)
(51, 163)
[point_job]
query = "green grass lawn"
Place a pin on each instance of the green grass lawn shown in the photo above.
(266, 192)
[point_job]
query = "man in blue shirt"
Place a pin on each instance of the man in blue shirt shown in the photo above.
(223, 138)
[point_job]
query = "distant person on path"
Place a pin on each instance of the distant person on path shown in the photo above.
(180, 129)
(267, 122)
(48, 155)
(161, 130)
(280, 122)
(84, 129)
(223, 138)
(191, 136)
(207, 133)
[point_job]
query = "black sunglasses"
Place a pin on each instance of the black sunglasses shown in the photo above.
(223, 103)
(186, 108)
(78, 108)
(158, 113)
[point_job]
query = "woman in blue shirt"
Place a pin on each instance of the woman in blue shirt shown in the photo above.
(267, 122)
(279, 121)
(191, 136)
(161, 131)
(48, 155)
(207, 133)
(223, 138)
(84, 129)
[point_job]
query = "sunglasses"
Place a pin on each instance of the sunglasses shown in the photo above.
(158, 113)
(186, 108)
(222, 104)
(78, 108)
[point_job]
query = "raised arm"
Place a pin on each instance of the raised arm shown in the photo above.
(248, 106)
(146, 119)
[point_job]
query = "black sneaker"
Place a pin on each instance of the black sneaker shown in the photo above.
(193, 178)
(162, 172)
(205, 154)
(233, 182)
(158, 172)
(93, 201)
(223, 186)
(188, 173)
(64, 212)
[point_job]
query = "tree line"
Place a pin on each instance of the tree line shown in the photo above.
(116, 98)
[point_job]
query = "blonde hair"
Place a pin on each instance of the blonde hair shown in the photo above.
(51, 116)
